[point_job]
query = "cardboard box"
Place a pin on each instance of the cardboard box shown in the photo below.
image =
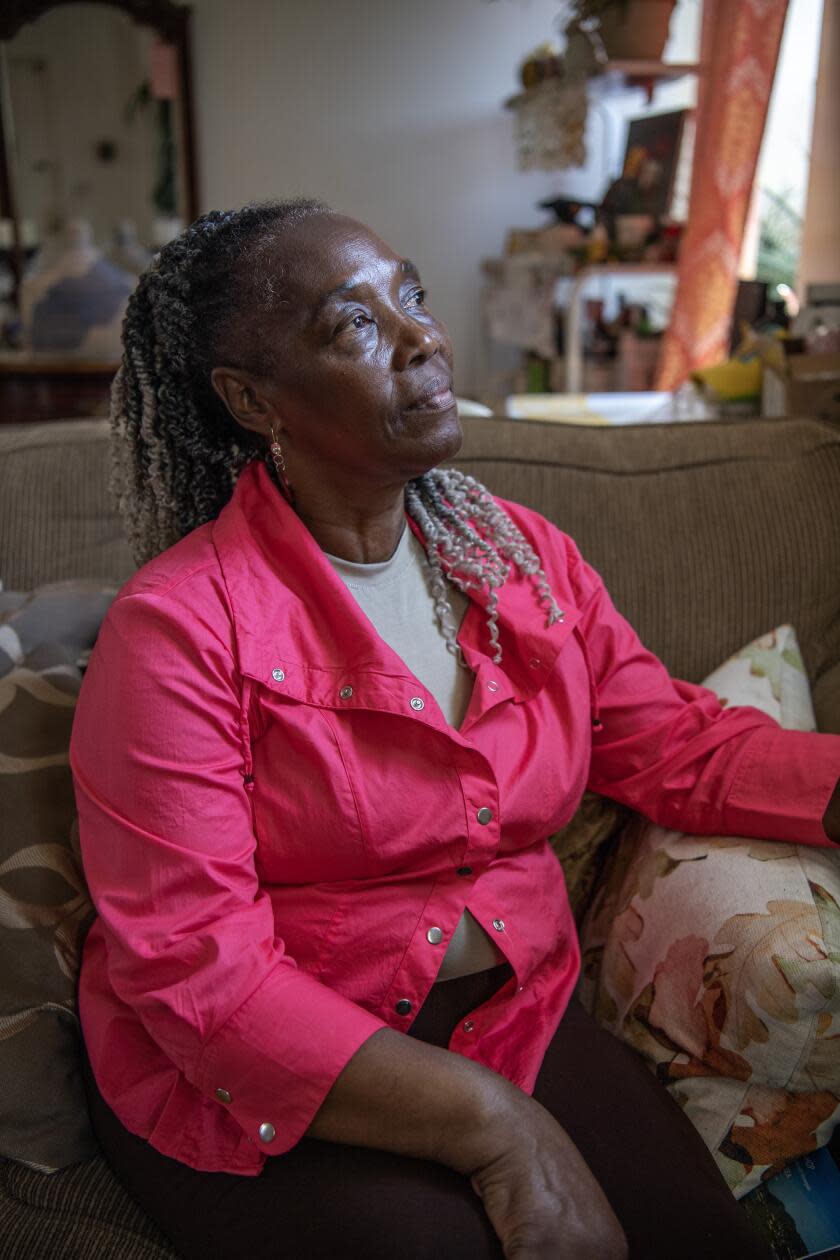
(803, 385)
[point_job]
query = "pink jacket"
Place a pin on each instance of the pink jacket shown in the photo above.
(274, 814)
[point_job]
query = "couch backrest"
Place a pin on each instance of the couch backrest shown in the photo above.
(56, 517)
(706, 534)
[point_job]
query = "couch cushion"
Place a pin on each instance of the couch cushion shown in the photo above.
(80, 1213)
(45, 638)
(718, 959)
(56, 518)
(705, 534)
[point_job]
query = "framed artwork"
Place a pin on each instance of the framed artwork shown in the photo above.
(651, 156)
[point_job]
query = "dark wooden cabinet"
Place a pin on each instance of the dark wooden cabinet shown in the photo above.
(54, 390)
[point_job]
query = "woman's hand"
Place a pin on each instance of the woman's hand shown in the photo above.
(538, 1192)
(401, 1095)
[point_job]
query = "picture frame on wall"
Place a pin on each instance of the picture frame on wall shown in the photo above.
(649, 171)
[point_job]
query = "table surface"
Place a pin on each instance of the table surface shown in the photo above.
(643, 407)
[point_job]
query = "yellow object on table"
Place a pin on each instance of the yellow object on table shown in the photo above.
(739, 378)
(734, 380)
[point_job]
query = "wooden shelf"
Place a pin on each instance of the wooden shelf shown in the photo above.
(19, 363)
(620, 76)
(51, 387)
(652, 69)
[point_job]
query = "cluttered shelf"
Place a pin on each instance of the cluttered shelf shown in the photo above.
(544, 307)
(584, 298)
(539, 306)
(579, 365)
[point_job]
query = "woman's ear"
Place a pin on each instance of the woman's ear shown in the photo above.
(244, 399)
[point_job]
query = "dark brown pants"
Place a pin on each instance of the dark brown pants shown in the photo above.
(321, 1201)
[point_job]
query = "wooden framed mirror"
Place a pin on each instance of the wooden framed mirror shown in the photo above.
(97, 147)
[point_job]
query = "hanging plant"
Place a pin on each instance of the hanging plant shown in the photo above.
(550, 124)
(550, 115)
(630, 30)
(164, 192)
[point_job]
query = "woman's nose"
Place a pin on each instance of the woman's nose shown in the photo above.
(415, 343)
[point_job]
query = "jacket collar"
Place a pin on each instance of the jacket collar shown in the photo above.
(292, 612)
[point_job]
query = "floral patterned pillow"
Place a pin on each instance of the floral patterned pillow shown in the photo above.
(718, 959)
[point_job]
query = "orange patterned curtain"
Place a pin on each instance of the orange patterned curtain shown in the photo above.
(739, 49)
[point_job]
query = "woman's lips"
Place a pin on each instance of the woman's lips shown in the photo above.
(436, 397)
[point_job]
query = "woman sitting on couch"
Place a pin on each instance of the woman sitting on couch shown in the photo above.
(323, 736)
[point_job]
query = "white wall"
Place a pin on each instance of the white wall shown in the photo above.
(391, 111)
(387, 109)
(820, 258)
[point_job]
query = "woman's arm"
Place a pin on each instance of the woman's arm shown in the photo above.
(669, 750)
(167, 837)
(398, 1094)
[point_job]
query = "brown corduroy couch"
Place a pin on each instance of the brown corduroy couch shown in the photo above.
(707, 535)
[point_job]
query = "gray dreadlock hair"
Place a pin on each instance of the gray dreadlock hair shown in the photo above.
(176, 452)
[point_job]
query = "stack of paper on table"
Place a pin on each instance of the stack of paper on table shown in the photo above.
(618, 408)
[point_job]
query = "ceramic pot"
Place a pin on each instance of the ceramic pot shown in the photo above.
(635, 30)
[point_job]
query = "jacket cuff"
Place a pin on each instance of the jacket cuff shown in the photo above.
(275, 1060)
(783, 786)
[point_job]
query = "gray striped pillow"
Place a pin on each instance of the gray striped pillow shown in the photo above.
(45, 639)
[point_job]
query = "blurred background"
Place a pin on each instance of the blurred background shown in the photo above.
(620, 207)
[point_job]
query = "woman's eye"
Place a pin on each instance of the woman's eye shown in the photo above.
(351, 323)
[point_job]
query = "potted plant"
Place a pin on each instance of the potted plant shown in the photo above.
(630, 30)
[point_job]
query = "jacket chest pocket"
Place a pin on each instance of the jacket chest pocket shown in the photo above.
(350, 795)
(305, 813)
(408, 793)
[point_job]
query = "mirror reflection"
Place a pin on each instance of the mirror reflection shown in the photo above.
(98, 171)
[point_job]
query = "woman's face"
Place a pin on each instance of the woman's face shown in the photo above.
(363, 380)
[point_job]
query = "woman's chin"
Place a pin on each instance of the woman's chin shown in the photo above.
(441, 440)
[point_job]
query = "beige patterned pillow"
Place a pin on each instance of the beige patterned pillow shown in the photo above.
(45, 638)
(718, 959)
